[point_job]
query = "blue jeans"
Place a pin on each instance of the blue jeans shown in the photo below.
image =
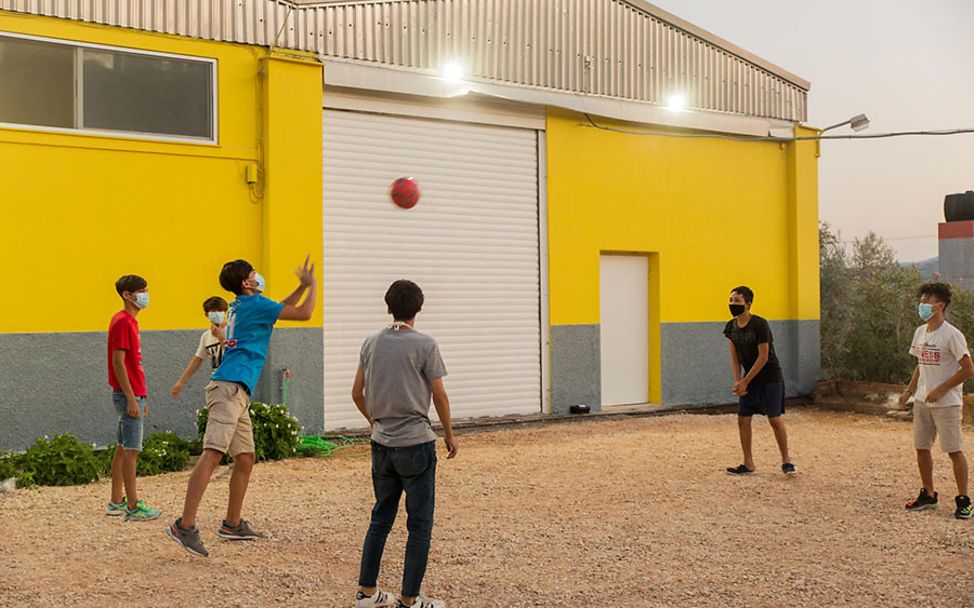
(129, 429)
(411, 469)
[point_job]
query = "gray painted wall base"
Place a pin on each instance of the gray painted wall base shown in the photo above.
(696, 362)
(301, 350)
(55, 383)
(58, 382)
(576, 367)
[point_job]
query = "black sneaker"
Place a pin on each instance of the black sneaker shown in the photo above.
(922, 502)
(789, 469)
(739, 470)
(241, 531)
(189, 539)
(964, 508)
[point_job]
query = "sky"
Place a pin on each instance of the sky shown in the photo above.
(907, 65)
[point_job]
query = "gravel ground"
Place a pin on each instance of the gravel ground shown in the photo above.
(634, 512)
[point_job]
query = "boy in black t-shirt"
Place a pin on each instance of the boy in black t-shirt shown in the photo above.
(762, 388)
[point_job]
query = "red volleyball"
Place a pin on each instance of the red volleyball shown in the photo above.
(404, 192)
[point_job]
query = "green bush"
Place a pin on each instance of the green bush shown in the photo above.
(12, 465)
(7, 468)
(276, 431)
(163, 453)
(62, 461)
(104, 458)
(869, 310)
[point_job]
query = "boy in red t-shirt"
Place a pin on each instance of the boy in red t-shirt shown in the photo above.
(126, 376)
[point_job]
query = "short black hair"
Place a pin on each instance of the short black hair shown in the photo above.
(234, 274)
(941, 291)
(745, 293)
(214, 304)
(405, 299)
(131, 283)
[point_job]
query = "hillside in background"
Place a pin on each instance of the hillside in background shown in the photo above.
(926, 267)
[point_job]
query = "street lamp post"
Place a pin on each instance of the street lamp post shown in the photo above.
(857, 122)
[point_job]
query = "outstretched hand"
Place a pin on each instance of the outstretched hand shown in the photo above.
(306, 272)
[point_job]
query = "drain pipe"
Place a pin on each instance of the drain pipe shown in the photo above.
(285, 384)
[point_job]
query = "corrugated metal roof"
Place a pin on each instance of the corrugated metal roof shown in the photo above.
(621, 49)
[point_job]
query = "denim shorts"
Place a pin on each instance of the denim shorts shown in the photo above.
(129, 428)
(767, 399)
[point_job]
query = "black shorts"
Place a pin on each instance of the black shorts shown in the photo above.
(767, 399)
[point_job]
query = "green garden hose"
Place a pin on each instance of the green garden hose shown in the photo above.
(327, 445)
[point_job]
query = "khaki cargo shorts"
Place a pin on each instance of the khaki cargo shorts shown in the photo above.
(928, 422)
(228, 426)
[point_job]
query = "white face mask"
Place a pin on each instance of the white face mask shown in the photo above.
(217, 317)
(142, 299)
(261, 282)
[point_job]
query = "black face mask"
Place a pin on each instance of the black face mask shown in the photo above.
(736, 309)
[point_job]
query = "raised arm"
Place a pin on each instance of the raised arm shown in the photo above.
(303, 312)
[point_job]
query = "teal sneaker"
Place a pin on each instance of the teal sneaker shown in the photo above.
(116, 509)
(141, 512)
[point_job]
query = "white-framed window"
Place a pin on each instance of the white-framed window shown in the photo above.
(62, 85)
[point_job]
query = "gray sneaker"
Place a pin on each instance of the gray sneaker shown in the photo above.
(241, 531)
(189, 539)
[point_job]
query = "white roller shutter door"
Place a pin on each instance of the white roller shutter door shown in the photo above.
(471, 244)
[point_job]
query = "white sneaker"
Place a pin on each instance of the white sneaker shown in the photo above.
(423, 602)
(379, 599)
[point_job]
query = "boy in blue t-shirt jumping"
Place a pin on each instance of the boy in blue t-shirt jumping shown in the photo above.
(228, 427)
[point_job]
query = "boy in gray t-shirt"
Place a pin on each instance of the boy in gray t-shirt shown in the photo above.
(400, 370)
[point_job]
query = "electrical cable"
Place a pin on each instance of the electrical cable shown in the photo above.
(745, 138)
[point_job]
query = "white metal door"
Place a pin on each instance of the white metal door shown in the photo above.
(471, 243)
(624, 289)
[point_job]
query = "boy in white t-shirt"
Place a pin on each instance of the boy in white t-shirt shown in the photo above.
(943, 364)
(211, 342)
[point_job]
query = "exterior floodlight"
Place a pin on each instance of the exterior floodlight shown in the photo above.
(676, 103)
(857, 123)
(453, 72)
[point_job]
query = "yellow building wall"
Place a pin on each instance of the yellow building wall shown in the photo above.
(292, 140)
(711, 214)
(803, 226)
(77, 210)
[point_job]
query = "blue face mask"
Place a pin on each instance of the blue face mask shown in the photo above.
(217, 317)
(925, 311)
(261, 283)
(142, 299)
